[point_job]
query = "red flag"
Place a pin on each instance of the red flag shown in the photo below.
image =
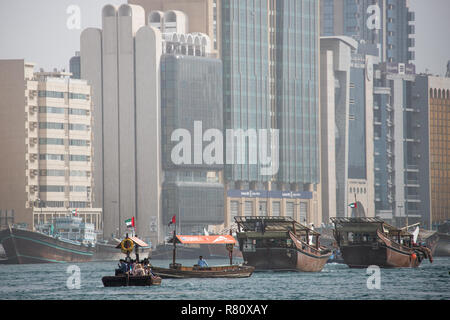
(173, 221)
(132, 222)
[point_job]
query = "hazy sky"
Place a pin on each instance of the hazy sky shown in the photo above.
(36, 30)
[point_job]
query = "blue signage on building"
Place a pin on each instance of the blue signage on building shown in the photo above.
(270, 194)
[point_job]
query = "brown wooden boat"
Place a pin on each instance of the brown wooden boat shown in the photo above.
(178, 271)
(371, 241)
(280, 244)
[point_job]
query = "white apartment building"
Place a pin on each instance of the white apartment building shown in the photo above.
(46, 138)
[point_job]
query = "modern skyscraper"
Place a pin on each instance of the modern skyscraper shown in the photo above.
(396, 167)
(46, 159)
(431, 107)
(347, 129)
(191, 102)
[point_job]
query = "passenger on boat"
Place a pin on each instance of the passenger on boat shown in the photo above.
(138, 270)
(123, 267)
(202, 263)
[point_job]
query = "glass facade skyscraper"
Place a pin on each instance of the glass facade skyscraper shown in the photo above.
(191, 91)
(270, 57)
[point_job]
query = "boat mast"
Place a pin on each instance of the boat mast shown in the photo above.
(174, 244)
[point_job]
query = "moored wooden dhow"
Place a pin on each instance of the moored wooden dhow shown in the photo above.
(371, 241)
(281, 244)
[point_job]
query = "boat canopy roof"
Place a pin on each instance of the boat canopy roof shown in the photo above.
(136, 241)
(273, 224)
(192, 239)
(366, 225)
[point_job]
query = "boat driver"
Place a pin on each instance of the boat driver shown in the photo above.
(202, 263)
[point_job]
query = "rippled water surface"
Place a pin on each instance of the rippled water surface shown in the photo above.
(336, 281)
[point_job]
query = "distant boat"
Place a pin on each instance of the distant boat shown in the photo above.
(280, 244)
(371, 241)
(23, 247)
(64, 239)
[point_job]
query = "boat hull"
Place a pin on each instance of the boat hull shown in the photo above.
(284, 259)
(385, 253)
(211, 272)
(131, 281)
(27, 247)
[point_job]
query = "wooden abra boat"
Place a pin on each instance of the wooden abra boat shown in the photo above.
(371, 241)
(127, 278)
(281, 244)
(178, 271)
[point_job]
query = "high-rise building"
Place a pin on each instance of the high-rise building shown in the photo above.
(149, 78)
(46, 160)
(396, 166)
(191, 100)
(431, 107)
(121, 63)
(347, 129)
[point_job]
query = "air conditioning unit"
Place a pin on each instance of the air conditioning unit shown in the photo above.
(33, 157)
(33, 172)
(88, 174)
(33, 141)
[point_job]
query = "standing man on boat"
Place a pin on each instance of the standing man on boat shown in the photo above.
(202, 263)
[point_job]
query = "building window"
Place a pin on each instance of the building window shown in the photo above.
(57, 157)
(79, 143)
(75, 157)
(50, 94)
(79, 112)
(51, 141)
(51, 188)
(51, 110)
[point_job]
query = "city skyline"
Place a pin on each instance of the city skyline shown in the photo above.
(432, 53)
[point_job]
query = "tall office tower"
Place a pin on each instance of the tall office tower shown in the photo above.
(203, 16)
(46, 159)
(396, 164)
(384, 28)
(191, 104)
(75, 66)
(431, 106)
(270, 52)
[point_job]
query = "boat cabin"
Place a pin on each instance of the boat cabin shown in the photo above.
(350, 231)
(70, 228)
(267, 232)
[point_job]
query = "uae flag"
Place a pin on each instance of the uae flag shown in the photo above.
(75, 212)
(172, 221)
(130, 223)
(352, 205)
